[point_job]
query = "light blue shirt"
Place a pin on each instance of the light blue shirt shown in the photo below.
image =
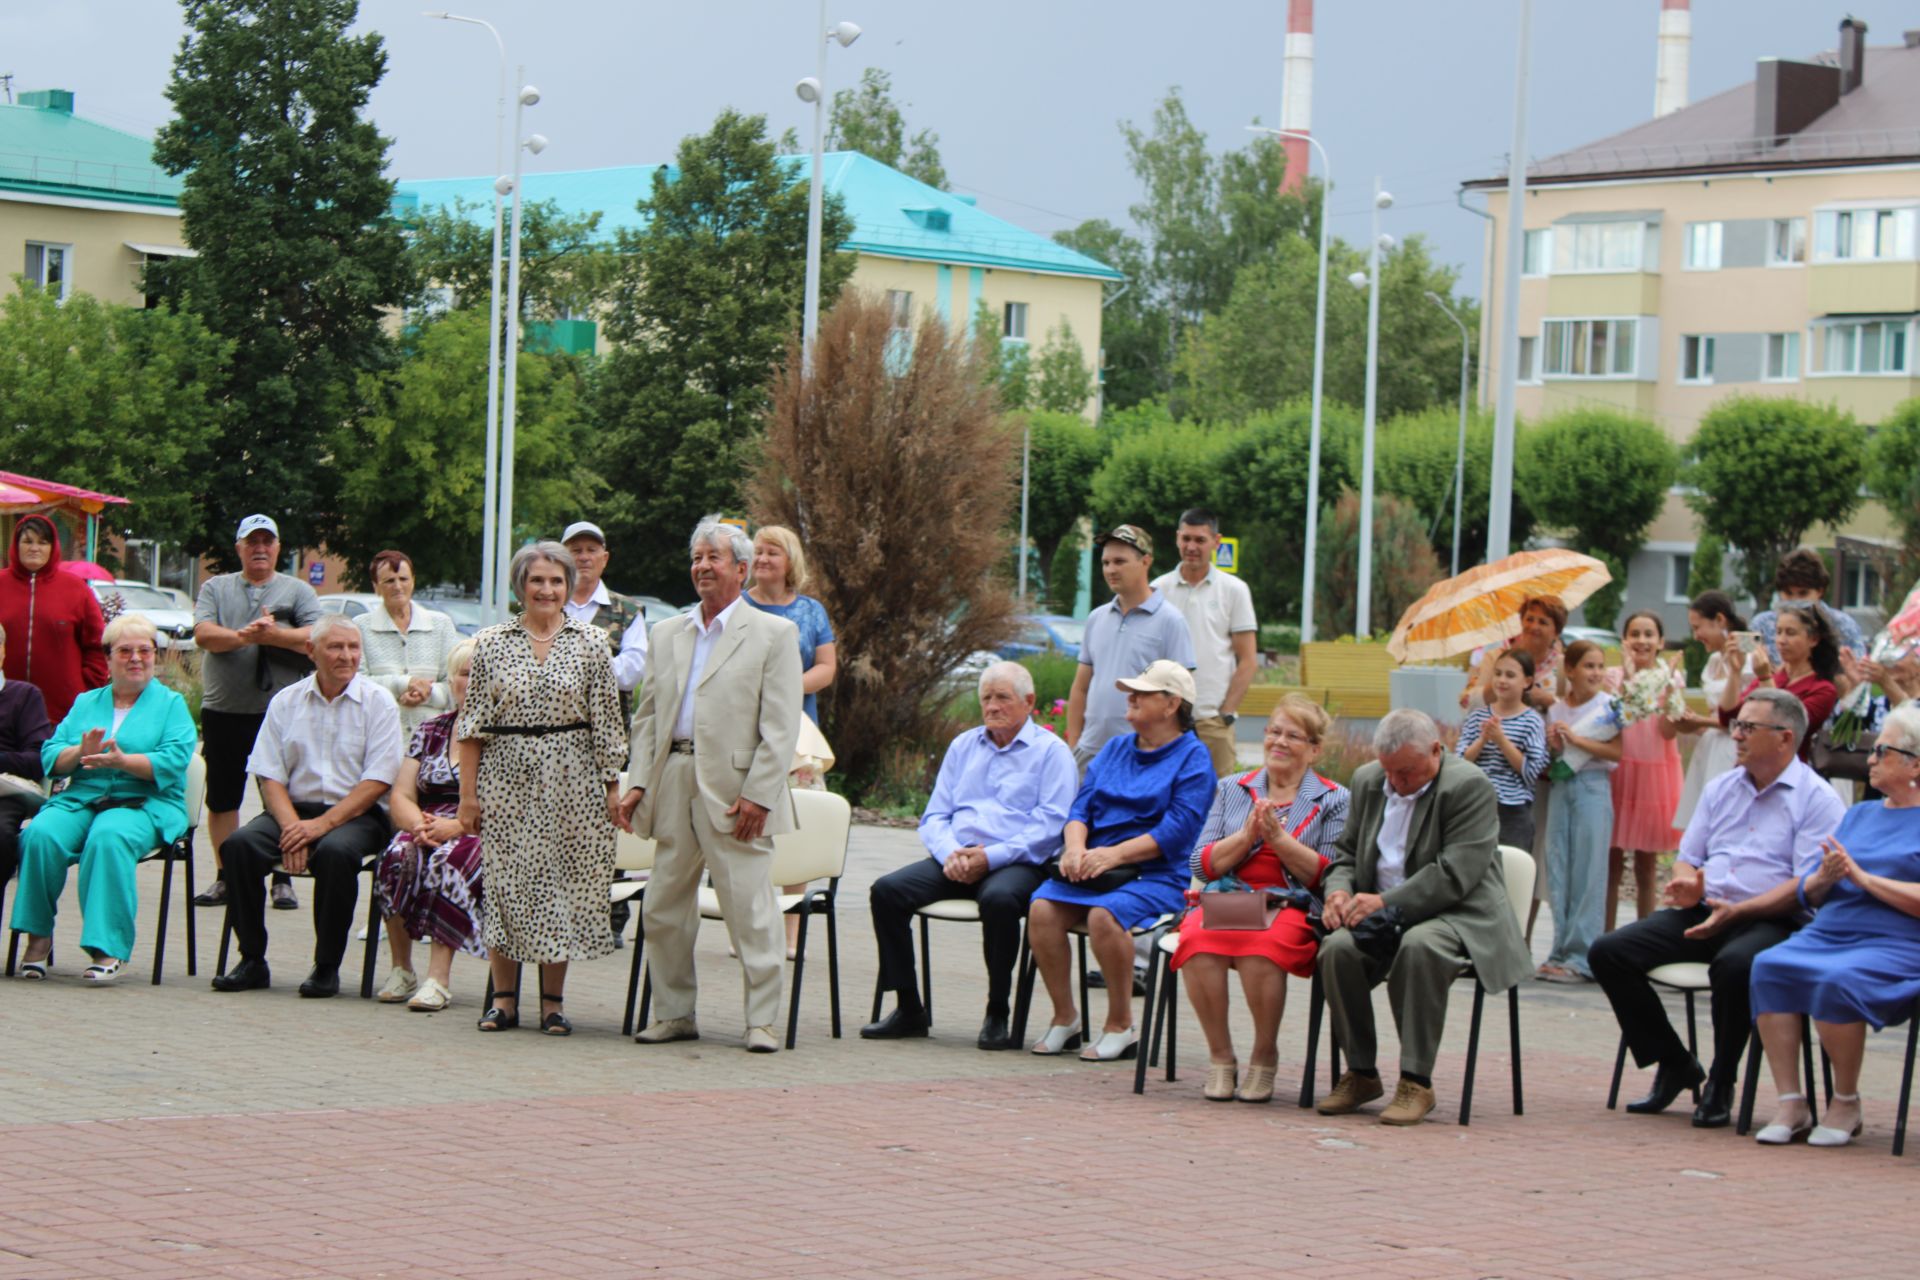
(1119, 646)
(706, 635)
(1750, 841)
(1011, 801)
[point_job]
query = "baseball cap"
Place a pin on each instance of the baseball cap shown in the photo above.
(1131, 534)
(587, 527)
(1163, 676)
(253, 522)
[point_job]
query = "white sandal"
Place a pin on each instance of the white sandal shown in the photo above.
(101, 973)
(35, 970)
(431, 998)
(1058, 1040)
(1825, 1136)
(1112, 1046)
(1779, 1135)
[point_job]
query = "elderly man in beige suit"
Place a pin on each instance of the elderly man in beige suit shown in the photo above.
(713, 739)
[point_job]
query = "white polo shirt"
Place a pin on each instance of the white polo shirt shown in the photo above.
(1217, 608)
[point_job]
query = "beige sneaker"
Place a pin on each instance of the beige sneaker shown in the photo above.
(761, 1040)
(1410, 1104)
(401, 983)
(1350, 1094)
(668, 1031)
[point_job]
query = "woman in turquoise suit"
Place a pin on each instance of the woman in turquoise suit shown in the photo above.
(126, 747)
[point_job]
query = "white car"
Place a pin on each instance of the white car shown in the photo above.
(172, 625)
(353, 603)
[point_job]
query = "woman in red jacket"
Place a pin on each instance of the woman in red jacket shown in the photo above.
(52, 620)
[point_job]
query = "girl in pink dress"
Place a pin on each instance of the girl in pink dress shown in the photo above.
(1647, 785)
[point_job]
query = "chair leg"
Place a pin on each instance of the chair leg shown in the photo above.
(879, 992)
(833, 961)
(1023, 991)
(1826, 1073)
(1750, 1083)
(633, 977)
(1316, 1005)
(13, 951)
(1513, 1041)
(226, 938)
(1906, 1082)
(1171, 997)
(1619, 1069)
(1806, 1066)
(1693, 1041)
(1473, 1053)
(160, 924)
(926, 971)
(799, 972)
(1152, 1013)
(372, 956)
(1086, 1007)
(186, 891)
(646, 995)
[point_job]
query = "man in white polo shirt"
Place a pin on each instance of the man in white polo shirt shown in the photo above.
(1218, 608)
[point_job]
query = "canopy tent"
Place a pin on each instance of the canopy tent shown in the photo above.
(22, 495)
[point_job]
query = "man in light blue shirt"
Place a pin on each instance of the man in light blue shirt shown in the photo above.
(1124, 637)
(995, 817)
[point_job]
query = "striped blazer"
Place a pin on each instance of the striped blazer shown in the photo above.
(1316, 817)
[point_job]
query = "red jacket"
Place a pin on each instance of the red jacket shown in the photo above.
(54, 626)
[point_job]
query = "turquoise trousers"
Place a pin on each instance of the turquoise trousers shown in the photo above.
(108, 846)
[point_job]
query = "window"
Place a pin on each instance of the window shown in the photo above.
(1861, 587)
(1703, 246)
(1781, 358)
(1787, 243)
(50, 267)
(1696, 358)
(1589, 348)
(1015, 326)
(1599, 246)
(1868, 347)
(900, 335)
(1529, 360)
(1538, 254)
(900, 303)
(1679, 573)
(1863, 235)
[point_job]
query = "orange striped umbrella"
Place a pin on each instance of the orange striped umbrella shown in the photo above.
(1482, 605)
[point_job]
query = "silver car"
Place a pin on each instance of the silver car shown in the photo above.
(172, 625)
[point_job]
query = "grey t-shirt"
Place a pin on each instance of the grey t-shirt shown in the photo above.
(1118, 647)
(243, 681)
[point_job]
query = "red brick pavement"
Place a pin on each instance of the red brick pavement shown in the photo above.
(1059, 1172)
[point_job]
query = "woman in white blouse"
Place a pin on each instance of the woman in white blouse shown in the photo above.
(404, 647)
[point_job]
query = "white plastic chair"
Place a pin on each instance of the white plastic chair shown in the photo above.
(632, 863)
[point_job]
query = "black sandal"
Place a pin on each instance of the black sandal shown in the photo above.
(498, 1019)
(555, 1023)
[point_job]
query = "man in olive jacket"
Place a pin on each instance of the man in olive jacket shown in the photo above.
(1422, 836)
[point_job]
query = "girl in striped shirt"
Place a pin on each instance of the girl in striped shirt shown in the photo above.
(1508, 740)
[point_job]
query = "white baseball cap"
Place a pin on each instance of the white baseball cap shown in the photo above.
(587, 527)
(1164, 676)
(256, 521)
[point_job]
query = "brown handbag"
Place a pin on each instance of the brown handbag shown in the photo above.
(1237, 909)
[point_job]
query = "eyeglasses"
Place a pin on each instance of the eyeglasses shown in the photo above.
(1741, 728)
(1288, 736)
(1879, 750)
(133, 651)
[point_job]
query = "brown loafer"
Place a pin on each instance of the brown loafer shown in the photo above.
(1410, 1104)
(1351, 1093)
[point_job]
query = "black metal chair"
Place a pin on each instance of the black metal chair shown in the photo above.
(959, 911)
(368, 962)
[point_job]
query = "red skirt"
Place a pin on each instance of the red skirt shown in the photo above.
(1288, 942)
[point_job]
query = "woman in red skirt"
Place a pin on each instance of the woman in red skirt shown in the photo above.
(1274, 827)
(1648, 781)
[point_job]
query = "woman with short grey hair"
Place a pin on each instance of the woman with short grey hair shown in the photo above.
(541, 744)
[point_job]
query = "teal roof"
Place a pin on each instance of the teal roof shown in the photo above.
(56, 153)
(893, 215)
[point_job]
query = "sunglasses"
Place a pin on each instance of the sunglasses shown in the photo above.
(1879, 751)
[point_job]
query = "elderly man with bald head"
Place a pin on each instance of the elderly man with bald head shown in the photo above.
(995, 817)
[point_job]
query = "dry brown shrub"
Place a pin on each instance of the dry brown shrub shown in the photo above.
(897, 472)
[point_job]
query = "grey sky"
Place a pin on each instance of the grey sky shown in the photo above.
(1025, 95)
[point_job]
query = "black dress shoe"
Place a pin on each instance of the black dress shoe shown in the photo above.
(214, 895)
(1716, 1106)
(323, 983)
(248, 975)
(901, 1024)
(994, 1033)
(1669, 1082)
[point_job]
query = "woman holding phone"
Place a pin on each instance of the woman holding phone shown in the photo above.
(1722, 633)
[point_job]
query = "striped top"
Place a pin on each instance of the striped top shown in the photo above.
(1526, 731)
(1316, 817)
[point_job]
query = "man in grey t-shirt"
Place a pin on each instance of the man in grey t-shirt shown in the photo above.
(251, 628)
(1123, 637)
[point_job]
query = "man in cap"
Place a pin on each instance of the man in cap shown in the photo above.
(1123, 638)
(251, 628)
(1219, 613)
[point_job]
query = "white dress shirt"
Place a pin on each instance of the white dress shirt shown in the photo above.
(630, 664)
(1396, 824)
(1217, 608)
(319, 750)
(706, 635)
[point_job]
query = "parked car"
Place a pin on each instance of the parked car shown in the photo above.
(172, 625)
(181, 600)
(465, 613)
(351, 603)
(1599, 635)
(1041, 632)
(653, 609)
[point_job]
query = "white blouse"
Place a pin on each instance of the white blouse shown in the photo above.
(391, 658)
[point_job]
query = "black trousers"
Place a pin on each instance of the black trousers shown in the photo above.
(14, 810)
(1620, 962)
(334, 862)
(1003, 896)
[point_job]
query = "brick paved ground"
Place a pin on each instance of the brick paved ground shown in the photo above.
(170, 1132)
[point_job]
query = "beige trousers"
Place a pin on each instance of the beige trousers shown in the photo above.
(670, 912)
(1217, 736)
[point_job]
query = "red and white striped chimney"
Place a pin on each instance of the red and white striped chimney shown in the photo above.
(1670, 71)
(1296, 101)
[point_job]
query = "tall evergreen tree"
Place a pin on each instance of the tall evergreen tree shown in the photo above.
(286, 201)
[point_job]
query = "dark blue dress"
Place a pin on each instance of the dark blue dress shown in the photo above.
(1129, 792)
(1859, 961)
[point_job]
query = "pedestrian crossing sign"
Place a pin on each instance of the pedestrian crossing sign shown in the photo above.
(1226, 556)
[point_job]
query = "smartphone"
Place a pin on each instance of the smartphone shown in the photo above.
(1749, 640)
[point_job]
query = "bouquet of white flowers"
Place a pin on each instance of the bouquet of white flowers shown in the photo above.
(1652, 692)
(1856, 711)
(1599, 720)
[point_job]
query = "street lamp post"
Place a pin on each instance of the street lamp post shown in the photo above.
(1500, 488)
(1460, 453)
(534, 143)
(491, 607)
(1363, 606)
(813, 89)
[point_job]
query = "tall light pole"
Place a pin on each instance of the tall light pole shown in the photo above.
(813, 89)
(491, 607)
(1026, 456)
(503, 557)
(1500, 488)
(1319, 380)
(1363, 606)
(1460, 453)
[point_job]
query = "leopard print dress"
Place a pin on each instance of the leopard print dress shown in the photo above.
(547, 845)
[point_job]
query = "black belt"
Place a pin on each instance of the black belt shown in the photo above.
(534, 730)
(681, 747)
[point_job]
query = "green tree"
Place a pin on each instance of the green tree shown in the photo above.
(1063, 575)
(564, 267)
(423, 438)
(1404, 565)
(1414, 458)
(287, 202)
(1709, 565)
(1064, 452)
(703, 308)
(1148, 479)
(1764, 470)
(1260, 490)
(1133, 326)
(1062, 381)
(116, 399)
(1893, 471)
(869, 121)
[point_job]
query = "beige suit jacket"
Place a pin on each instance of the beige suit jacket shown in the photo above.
(746, 716)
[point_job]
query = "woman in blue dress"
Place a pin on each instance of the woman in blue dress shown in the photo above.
(1124, 864)
(1858, 963)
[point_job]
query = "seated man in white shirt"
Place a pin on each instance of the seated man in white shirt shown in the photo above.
(327, 752)
(995, 817)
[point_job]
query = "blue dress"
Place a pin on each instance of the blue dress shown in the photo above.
(1128, 792)
(1859, 961)
(809, 618)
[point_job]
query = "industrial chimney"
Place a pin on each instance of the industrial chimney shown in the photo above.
(1670, 70)
(1296, 100)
